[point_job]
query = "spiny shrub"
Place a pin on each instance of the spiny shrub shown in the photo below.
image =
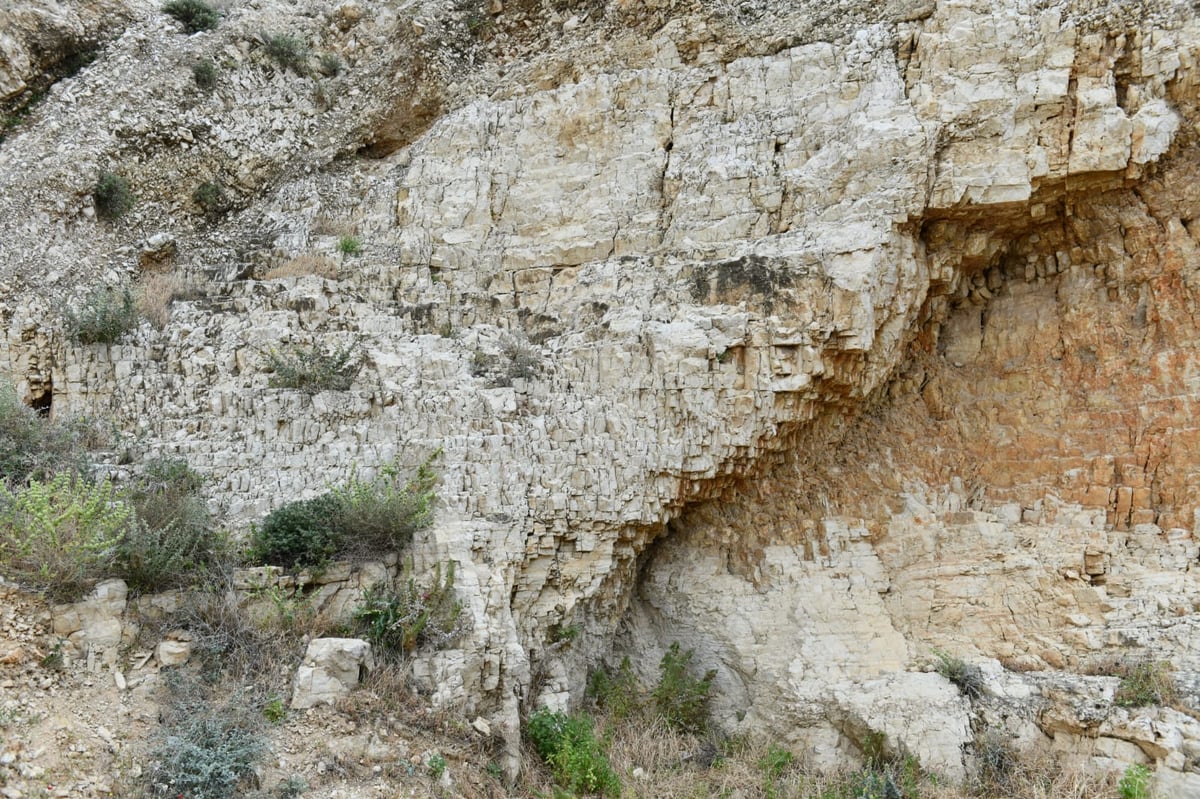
(315, 369)
(105, 317)
(968, 678)
(299, 534)
(204, 73)
(349, 245)
(60, 536)
(289, 52)
(35, 448)
(569, 746)
(196, 15)
(207, 748)
(680, 698)
(112, 195)
(399, 620)
(171, 539)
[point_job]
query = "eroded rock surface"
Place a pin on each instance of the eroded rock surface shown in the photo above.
(885, 323)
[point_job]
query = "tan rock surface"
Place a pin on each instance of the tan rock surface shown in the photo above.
(885, 321)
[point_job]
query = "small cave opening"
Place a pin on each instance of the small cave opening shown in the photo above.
(41, 398)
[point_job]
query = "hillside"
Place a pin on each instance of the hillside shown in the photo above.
(848, 345)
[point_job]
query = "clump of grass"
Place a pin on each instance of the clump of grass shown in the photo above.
(156, 292)
(518, 359)
(329, 65)
(289, 52)
(315, 369)
(966, 677)
(204, 73)
(112, 195)
(307, 264)
(105, 317)
(196, 15)
(349, 245)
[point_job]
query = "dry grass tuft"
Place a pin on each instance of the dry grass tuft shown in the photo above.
(301, 265)
(156, 292)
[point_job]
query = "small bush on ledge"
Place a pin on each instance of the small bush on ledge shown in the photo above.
(315, 369)
(105, 317)
(112, 195)
(289, 52)
(360, 519)
(196, 15)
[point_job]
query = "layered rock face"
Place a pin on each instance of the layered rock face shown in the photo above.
(812, 349)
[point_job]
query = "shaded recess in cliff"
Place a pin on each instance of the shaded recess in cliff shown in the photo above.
(1030, 465)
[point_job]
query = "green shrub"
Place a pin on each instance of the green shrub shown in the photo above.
(968, 678)
(289, 52)
(291, 788)
(1135, 782)
(569, 746)
(397, 621)
(105, 317)
(618, 694)
(315, 369)
(60, 536)
(437, 765)
(206, 748)
(681, 699)
(196, 15)
(381, 515)
(171, 539)
(298, 534)
(35, 448)
(1145, 683)
(204, 73)
(349, 245)
(112, 195)
(329, 65)
(211, 198)
(274, 710)
(773, 764)
(362, 518)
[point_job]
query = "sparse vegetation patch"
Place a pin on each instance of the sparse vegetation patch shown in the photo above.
(314, 369)
(104, 317)
(112, 195)
(399, 619)
(196, 15)
(289, 52)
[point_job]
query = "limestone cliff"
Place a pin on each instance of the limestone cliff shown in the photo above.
(814, 336)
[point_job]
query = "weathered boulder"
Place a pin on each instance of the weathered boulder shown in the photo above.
(330, 670)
